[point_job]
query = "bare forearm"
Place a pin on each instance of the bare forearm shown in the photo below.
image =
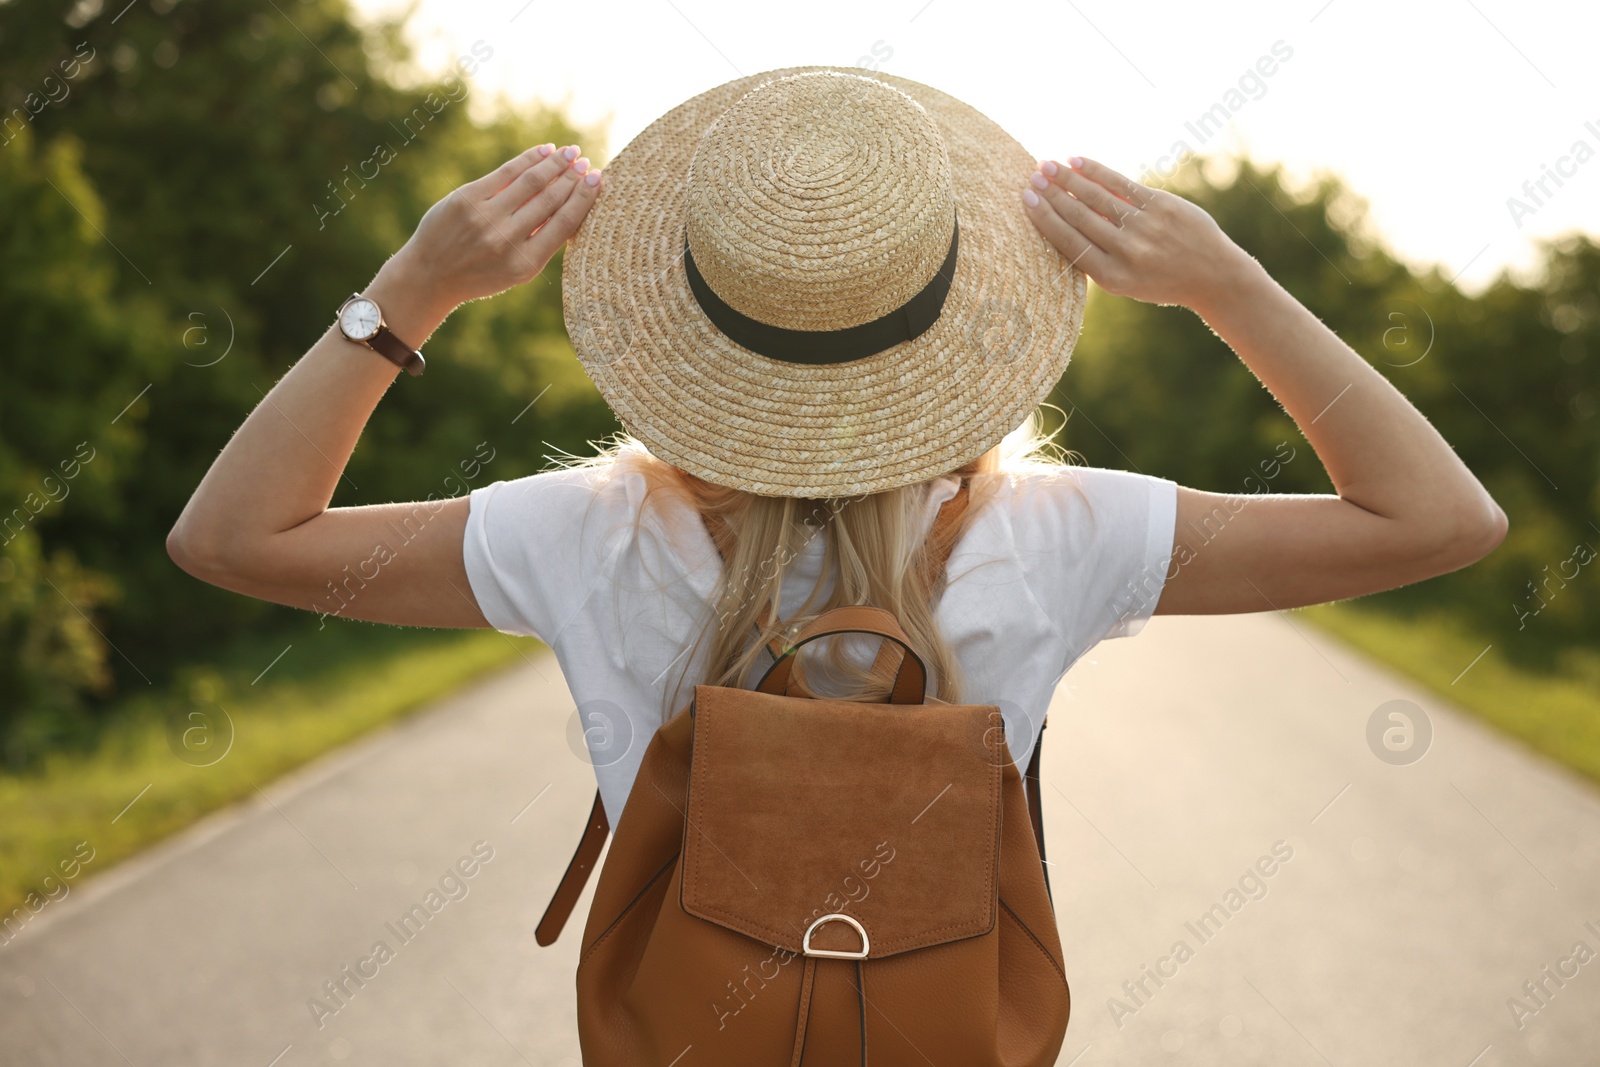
(282, 465)
(260, 524)
(1381, 453)
(1407, 509)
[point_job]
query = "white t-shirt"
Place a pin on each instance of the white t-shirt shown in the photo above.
(1053, 563)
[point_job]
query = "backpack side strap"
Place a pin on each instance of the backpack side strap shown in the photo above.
(570, 888)
(1030, 786)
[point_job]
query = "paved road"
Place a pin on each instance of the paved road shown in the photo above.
(1406, 904)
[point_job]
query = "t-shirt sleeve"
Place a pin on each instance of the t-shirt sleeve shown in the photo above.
(535, 547)
(1095, 544)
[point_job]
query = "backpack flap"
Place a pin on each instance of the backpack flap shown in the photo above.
(885, 816)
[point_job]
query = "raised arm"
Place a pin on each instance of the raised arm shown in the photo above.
(1406, 509)
(259, 523)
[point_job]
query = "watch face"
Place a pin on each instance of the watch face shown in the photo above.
(360, 320)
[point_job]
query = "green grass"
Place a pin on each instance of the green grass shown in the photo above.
(338, 684)
(1557, 713)
(332, 686)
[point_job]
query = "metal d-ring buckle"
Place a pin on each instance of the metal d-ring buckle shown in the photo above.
(805, 944)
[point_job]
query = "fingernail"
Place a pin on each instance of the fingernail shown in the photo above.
(1049, 167)
(545, 150)
(582, 166)
(592, 178)
(1075, 162)
(1039, 181)
(1030, 198)
(570, 152)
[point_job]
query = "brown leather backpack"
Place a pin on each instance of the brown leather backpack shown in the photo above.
(796, 879)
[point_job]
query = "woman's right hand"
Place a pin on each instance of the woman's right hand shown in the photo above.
(499, 230)
(1134, 241)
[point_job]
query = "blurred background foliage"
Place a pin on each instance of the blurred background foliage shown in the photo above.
(169, 246)
(1510, 377)
(152, 171)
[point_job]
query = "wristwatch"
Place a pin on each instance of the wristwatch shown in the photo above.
(361, 321)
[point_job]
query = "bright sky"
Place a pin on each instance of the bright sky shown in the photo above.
(1435, 111)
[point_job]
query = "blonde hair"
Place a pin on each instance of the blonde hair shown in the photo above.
(874, 548)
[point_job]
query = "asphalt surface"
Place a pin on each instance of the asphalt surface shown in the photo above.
(1406, 905)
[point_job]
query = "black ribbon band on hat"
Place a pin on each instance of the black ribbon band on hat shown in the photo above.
(904, 323)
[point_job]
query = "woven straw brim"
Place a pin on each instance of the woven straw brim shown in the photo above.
(736, 418)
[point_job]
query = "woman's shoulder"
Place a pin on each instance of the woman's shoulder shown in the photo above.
(577, 511)
(1057, 486)
(1078, 515)
(1094, 542)
(537, 547)
(618, 485)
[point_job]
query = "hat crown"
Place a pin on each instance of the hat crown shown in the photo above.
(820, 201)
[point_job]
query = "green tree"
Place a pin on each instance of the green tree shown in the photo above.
(67, 443)
(246, 167)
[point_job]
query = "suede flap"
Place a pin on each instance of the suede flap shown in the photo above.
(887, 813)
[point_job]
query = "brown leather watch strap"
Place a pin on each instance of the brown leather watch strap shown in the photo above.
(396, 351)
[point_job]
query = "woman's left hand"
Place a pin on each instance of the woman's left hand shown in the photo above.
(1133, 240)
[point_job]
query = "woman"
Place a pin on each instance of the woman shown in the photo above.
(822, 312)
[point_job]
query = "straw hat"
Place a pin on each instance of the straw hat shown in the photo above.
(819, 282)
